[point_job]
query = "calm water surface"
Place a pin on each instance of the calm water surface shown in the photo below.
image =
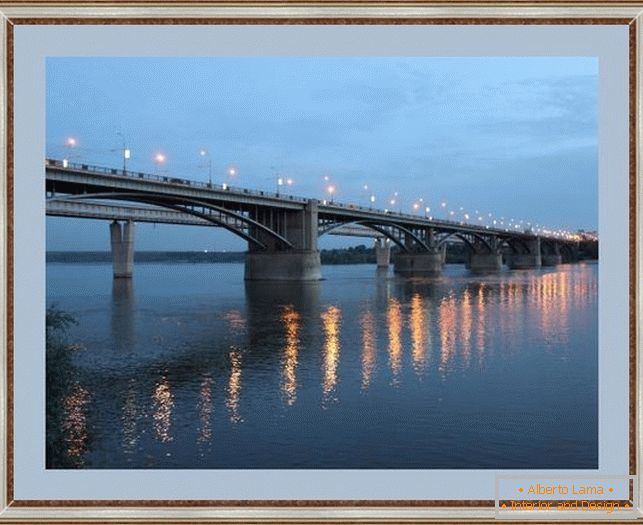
(187, 366)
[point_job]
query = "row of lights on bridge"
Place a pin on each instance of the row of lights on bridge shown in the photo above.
(418, 206)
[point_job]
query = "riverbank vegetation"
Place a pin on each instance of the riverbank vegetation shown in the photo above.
(61, 380)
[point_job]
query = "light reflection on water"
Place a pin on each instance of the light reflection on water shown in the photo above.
(291, 319)
(205, 407)
(369, 347)
(331, 319)
(75, 421)
(234, 387)
(394, 318)
(419, 335)
(162, 410)
(458, 371)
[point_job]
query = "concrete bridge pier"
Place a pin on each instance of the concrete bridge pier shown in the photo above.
(300, 263)
(485, 262)
(383, 253)
(423, 263)
(552, 259)
(525, 261)
(122, 241)
(287, 265)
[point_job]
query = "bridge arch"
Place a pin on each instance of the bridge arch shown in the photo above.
(379, 227)
(463, 237)
(564, 248)
(162, 201)
(511, 242)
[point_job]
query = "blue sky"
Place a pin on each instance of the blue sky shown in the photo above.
(516, 137)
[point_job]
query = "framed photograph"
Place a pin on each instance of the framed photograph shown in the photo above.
(348, 262)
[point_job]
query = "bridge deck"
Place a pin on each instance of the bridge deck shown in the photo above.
(153, 214)
(70, 179)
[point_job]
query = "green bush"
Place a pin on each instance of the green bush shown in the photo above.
(60, 376)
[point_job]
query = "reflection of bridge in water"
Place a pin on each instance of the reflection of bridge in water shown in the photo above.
(282, 231)
(435, 329)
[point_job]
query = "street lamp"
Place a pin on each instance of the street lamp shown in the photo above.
(372, 200)
(126, 156)
(281, 181)
(126, 152)
(427, 210)
(203, 153)
(70, 143)
(398, 200)
(366, 192)
(331, 191)
(159, 160)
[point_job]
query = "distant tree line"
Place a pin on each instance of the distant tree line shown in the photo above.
(457, 253)
(147, 257)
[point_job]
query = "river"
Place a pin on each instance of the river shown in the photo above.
(187, 366)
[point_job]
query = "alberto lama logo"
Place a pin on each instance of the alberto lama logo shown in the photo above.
(565, 490)
(564, 497)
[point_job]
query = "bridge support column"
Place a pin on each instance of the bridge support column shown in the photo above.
(485, 262)
(300, 263)
(552, 259)
(122, 240)
(525, 261)
(382, 253)
(427, 263)
(287, 265)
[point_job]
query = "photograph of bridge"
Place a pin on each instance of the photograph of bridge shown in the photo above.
(322, 263)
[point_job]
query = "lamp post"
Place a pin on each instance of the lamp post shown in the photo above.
(230, 172)
(204, 153)
(159, 160)
(283, 181)
(70, 143)
(372, 201)
(127, 153)
(331, 191)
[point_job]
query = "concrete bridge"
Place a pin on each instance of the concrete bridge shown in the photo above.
(282, 231)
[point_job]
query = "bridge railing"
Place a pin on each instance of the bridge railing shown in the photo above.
(177, 181)
(166, 179)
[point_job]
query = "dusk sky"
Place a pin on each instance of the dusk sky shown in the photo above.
(515, 137)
